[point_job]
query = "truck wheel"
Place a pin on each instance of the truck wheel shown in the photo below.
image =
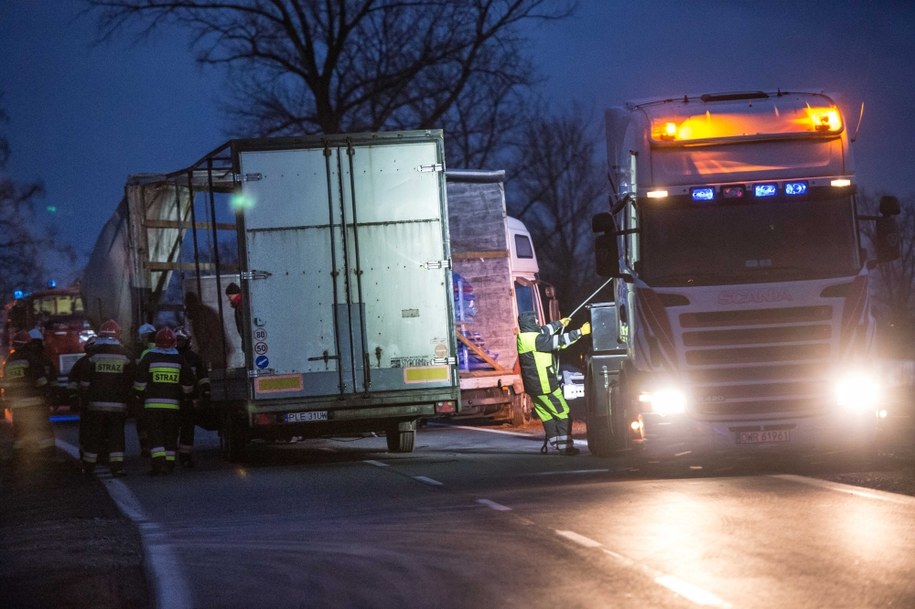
(522, 410)
(600, 437)
(233, 440)
(401, 437)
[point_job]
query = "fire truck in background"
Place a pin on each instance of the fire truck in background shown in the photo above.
(60, 315)
(741, 319)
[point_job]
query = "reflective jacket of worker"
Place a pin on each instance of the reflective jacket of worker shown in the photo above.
(538, 348)
(25, 384)
(105, 384)
(147, 340)
(188, 420)
(164, 380)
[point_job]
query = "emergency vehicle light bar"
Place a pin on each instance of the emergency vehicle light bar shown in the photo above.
(708, 193)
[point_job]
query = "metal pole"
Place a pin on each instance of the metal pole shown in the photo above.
(588, 299)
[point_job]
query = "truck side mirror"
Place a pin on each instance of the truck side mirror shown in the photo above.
(606, 247)
(886, 231)
(886, 239)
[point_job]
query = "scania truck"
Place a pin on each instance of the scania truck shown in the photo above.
(740, 315)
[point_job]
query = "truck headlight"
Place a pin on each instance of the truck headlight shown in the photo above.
(859, 391)
(665, 401)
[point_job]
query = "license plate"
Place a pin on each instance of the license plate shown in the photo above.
(305, 417)
(763, 437)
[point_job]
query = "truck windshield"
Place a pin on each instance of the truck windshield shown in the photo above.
(748, 243)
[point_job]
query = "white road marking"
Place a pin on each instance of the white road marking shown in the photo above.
(579, 539)
(570, 471)
(499, 431)
(376, 463)
(162, 567)
(689, 591)
(496, 506)
(849, 489)
(427, 480)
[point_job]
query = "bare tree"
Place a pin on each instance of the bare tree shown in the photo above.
(555, 189)
(331, 66)
(25, 247)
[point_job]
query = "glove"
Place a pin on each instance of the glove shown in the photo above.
(565, 321)
(586, 328)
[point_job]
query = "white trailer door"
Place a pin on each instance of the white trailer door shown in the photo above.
(354, 309)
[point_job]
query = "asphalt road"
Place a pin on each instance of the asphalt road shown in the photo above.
(478, 518)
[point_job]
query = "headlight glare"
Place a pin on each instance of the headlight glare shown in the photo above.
(669, 400)
(858, 391)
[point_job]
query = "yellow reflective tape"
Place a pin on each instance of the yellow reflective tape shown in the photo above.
(279, 383)
(426, 374)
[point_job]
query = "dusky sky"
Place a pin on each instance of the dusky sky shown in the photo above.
(83, 117)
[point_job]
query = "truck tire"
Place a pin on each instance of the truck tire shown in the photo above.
(233, 439)
(522, 410)
(401, 437)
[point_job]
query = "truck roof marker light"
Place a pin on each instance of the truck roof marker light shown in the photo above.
(840, 183)
(825, 119)
(669, 131)
(660, 193)
(702, 193)
(762, 191)
(794, 189)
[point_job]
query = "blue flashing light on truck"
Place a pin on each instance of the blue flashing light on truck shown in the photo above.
(741, 316)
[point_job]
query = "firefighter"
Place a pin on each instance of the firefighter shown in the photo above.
(147, 340)
(25, 385)
(105, 384)
(37, 344)
(187, 419)
(75, 397)
(538, 348)
(163, 381)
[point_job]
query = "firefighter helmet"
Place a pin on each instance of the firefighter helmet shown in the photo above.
(165, 338)
(110, 329)
(21, 338)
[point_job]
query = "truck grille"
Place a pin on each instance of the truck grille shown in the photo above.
(766, 362)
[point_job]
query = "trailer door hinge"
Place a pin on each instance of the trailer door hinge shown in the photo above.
(253, 274)
(444, 361)
(429, 168)
(247, 177)
(437, 264)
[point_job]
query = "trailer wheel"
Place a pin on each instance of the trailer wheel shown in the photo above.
(401, 437)
(233, 439)
(522, 410)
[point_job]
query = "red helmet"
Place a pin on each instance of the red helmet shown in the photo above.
(110, 329)
(21, 338)
(165, 338)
